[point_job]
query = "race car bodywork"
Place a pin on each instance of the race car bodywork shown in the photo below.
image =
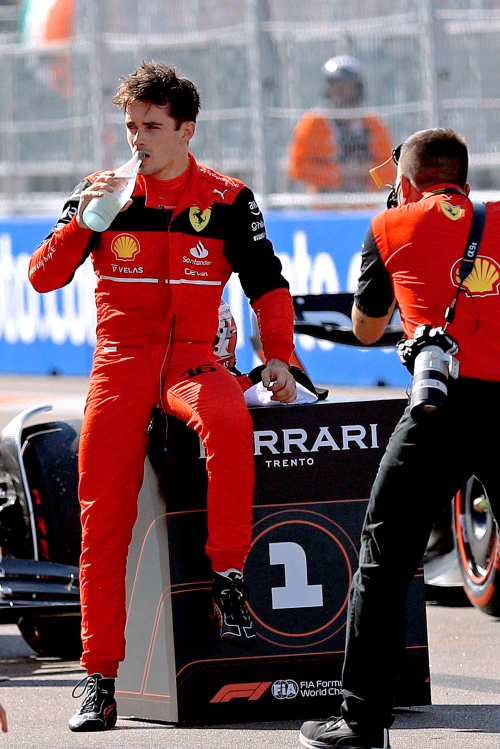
(40, 533)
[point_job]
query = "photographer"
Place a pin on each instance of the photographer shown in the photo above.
(414, 254)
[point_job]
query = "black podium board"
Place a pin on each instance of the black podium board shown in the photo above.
(314, 468)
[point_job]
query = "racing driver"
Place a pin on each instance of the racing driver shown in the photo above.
(161, 268)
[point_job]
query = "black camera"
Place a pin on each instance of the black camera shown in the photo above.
(429, 356)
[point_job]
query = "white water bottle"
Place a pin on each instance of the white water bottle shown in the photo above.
(101, 211)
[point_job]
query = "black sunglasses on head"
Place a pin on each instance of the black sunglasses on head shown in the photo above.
(392, 198)
(396, 153)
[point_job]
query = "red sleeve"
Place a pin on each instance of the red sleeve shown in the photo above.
(244, 381)
(54, 262)
(275, 317)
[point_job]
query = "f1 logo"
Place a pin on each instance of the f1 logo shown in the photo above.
(251, 691)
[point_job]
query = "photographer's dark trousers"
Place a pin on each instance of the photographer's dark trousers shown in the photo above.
(424, 465)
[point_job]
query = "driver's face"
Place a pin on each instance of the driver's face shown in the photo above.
(151, 130)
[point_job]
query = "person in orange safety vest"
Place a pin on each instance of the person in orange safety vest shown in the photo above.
(335, 153)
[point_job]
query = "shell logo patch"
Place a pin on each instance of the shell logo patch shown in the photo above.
(198, 218)
(484, 278)
(452, 211)
(125, 247)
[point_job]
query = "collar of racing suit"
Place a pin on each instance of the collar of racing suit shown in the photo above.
(193, 191)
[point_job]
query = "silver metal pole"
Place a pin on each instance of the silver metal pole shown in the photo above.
(259, 182)
(428, 61)
(90, 17)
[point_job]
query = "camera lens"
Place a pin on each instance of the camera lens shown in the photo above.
(430, 382)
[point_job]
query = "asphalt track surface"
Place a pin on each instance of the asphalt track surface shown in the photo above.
(464, 647)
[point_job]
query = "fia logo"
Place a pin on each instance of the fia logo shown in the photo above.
(285, 689)
(199, 251)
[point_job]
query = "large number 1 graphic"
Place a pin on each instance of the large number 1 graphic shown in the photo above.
(297, 593)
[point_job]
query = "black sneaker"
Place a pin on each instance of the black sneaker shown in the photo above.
(335, 732)
(98, 709)
(229, 598)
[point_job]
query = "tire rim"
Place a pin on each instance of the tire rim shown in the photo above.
(476, 532)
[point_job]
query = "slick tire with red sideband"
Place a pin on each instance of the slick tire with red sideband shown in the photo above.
(477, 545)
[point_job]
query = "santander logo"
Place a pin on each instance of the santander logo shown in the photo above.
(199, 251)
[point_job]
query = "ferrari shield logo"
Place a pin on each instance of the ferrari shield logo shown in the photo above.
(452, 211)
(198, 218)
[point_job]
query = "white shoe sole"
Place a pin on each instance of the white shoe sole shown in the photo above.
(312, 744)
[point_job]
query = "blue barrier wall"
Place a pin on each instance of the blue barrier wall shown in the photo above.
(55, 332)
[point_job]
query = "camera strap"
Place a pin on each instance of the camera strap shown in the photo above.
(469, 256)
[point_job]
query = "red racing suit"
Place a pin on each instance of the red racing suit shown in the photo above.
(160, 276)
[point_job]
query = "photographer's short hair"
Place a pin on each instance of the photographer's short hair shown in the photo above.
(162, 85)
(434, 156)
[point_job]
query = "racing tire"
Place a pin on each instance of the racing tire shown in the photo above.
(477, 546)
(53, 636)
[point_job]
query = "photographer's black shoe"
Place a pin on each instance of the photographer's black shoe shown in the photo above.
(98, 709)
(230, 611)
(335, 732)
